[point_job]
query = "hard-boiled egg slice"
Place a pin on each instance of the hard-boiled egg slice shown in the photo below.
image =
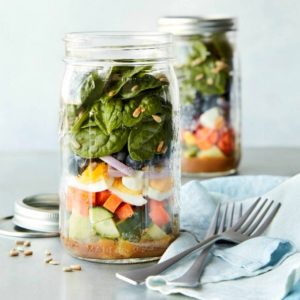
(98, 186)
(135, 183)
(160, 189)
(162, 184)
(157, 195)
(210, 118)
(94, 172)
(127, 195)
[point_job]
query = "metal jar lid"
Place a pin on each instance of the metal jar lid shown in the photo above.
(188, 25)
(35, 216)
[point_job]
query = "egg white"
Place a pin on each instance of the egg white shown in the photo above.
(99, 186)
(157, 195)
(137, 200)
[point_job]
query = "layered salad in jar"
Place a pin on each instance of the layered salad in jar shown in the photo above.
(209, 129)
(117, 188)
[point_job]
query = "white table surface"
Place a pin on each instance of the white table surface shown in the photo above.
(24, 174)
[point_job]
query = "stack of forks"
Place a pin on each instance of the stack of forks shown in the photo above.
(229, 225)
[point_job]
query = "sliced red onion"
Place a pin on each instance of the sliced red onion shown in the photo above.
(114, 173)
(110, 160)
(157, 175)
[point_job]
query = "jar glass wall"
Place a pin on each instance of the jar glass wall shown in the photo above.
(208, 74)
(119, 143)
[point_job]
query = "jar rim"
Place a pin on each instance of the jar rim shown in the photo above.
(118, 38)
(188, 25)
(119, 45)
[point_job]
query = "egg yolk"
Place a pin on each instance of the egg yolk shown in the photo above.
(94, 173)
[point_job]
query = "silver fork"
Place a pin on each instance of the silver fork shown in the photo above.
(191, 278)
(251, 224)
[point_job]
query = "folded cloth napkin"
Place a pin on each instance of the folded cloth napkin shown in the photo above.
(231, 273)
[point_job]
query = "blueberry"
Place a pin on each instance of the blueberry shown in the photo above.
(198, 102)
(120, 156)
(191, 111)
(210, 101)
(134, 164)
(157, 159)
(77, 164)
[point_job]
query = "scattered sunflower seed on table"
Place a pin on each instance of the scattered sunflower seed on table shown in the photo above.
(28, 253)
(13, 252)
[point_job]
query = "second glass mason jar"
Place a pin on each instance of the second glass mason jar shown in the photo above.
(120, 160)
(207, 70)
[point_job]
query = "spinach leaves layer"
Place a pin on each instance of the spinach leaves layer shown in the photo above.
(127, 106)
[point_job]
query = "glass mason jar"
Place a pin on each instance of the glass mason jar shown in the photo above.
(207, 70)
(119, 142)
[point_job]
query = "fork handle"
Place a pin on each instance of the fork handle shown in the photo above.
(139, 276)
(191, 277)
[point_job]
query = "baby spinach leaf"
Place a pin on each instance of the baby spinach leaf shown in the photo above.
(204, 79)
(167, 110)
(70, 113)
(167, 133)
(93, 143)
(222, 46)
(119, 75)
(128, 119)
(139, 83)
(90, 92)
(91, 89)
(148, 105)
(89, 123)
(143, 140)
(198, 53)
(151, 104)
(108, 116)
(81, 119)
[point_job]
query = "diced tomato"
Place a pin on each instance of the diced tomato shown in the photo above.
(226, 142)
(206, 137)
(213, 136)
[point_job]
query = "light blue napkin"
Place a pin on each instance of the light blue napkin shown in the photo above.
(232, 272)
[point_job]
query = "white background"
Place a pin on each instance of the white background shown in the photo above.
(31, 67)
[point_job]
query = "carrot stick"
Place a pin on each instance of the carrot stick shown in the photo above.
(101, 197)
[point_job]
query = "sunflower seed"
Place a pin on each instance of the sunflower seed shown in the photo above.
(156, 118)
(67, 269)
(13, 252)
(160, 146)
(199, 77)
(134, 88)
(163, 79)
(75, 267)
(28, 252)
(27, 244)
(48, 260)
(164, 149)
(197, 61)
(111, 94)
(209, 81)
(137, 112)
